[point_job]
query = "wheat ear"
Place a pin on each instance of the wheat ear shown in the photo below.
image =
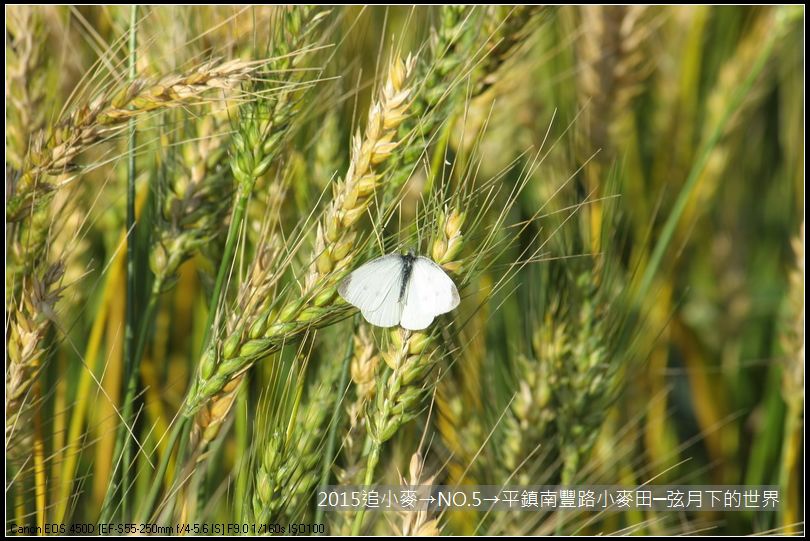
(410, 357)
(54, 152)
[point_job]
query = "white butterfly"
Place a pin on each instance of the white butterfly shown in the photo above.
(400, 289)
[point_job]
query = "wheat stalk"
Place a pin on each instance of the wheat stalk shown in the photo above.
(260, 138)
(261, 135)
(334, 251)
(262, 329)
(612, 66)
(567, 384)
(252, 216)
(460, 399)
(793, 374)
(364, 364)
(731, 75)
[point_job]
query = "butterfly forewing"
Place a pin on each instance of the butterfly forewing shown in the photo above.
(389, 312)
(429, 293)
(375, 289)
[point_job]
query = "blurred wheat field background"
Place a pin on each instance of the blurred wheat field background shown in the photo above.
(618, 193)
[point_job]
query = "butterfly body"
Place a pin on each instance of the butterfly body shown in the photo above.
(407, 268)
(400, 289)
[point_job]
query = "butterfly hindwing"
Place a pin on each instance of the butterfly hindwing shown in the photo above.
(429, 293)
